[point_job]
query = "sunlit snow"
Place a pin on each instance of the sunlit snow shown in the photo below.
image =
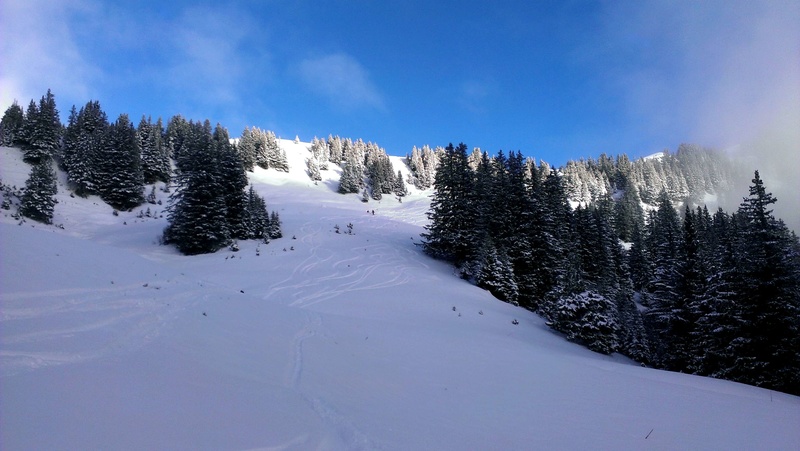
(318, 340)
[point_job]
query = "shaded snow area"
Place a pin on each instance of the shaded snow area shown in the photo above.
(319, 340)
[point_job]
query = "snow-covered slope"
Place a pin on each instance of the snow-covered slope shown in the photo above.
(319, 340)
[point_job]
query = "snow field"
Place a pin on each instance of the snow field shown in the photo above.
(109, 341)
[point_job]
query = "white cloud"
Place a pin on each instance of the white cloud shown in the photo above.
(723, 73)
(341, 79)
(38, 51)
(206, 63)
(473, 94)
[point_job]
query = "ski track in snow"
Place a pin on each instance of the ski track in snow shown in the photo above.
(116, 318)
(313, 322)
(348, 432)
(324, 275)
(353, 437)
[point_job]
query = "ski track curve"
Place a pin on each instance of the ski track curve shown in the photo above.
(324, 275)
(96, 322)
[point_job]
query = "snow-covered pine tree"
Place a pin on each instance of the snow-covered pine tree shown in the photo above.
(633, 340)
(692, 279)
(246, 148)
(233, 182)
(628, 213)
(29, 126)
(275, 230)
(588, 318)
(716, 310)
(259, 216)
(450, 234)
(43, 130)
(495, 273)
(351, 179)
(321, 152)
(399, 188)
(335, 151)
(313, 169)
(179, 140)
(377, 190)
(197, 213)
(38, 201)
(546, 263)
(82, 156)
(416, 166)
(768, 269)
(666, 313)
(120, 182)
(11, 126)
(151, 144)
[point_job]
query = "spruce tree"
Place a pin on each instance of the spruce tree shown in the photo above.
(198, 211)
(28, 134)
(399, 188)
(44, 130)
(450, 234)
(350, 180)
(119, 174)
(38, 201)
(313, 169)
(768, 267)
(11, 126)
(259, 216)
(85, 143)
(179, 138)
(154, 158)
(246, 148)
(275, 231)
(233, 181)
(718, 321)
(588, 318)
(666, 313)
(495, 273)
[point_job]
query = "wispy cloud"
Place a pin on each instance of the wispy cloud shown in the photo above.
(206, 64)
(38, 51)
(473, 95)
(723, 70)
(342, 80)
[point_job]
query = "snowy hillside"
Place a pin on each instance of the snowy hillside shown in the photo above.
(318, 340)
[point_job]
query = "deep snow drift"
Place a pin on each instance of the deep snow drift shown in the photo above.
(319, 340)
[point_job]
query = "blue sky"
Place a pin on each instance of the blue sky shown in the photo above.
(554, 79)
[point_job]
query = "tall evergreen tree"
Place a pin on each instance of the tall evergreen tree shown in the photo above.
(233, 182)
(767, 348)
(38, 201)
(198, 209)
(450, 234)
(246, 148)
(399, 187)
(84, 145)
(666, 313)
(119, 174)
(11, 126)
(28, 134)
(312, 167)
(350, 180)
(44, 135)
(154, 158)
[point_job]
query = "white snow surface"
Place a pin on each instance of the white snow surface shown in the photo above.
(111, 341)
